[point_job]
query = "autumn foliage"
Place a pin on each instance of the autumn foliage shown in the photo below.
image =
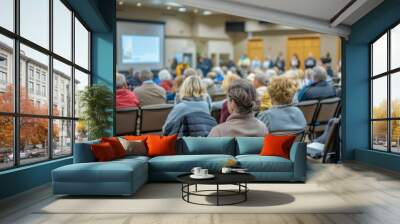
(33, 131)
(380, 127)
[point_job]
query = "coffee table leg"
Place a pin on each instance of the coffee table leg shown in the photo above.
(196, 188)
(245, 193)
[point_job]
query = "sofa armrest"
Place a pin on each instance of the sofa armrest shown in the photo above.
(83, 152)
(298, 157)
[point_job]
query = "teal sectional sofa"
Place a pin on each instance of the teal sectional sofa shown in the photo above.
(125, 176)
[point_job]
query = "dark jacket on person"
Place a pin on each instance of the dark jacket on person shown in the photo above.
(317, 91)
(197, 124)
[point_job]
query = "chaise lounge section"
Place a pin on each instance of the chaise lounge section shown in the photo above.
(125, 176)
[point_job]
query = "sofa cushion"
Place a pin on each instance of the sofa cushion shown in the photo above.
(206, 145)
(185, 163)
(103, 152)
(249, 145)
(257, 163)
(112, 171)
(83, 152)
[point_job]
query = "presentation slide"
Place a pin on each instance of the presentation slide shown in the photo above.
(140, 49)
(140, 45)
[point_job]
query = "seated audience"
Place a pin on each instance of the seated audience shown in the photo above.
(230, 77)
(196, 124)
(209, 83)
(193, 98)
(125, 97)
(319, 88)
(260, 82)
(283, 116)
(149, 93)
(166, 80)
(189, 73)
(241, 105)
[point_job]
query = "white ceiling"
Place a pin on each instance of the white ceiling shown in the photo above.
(320, 9)
(314, 15)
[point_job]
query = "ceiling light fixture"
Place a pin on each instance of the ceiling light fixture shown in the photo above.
(173, 4)
(182, 9)
(168, 7)
(120, 2)
(138, 4)
(206, 13)
(195, 10)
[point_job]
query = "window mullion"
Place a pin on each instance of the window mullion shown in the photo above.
(50, 81)
(389, 104)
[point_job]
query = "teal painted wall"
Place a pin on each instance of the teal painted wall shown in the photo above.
(99, 15)
(356, 85)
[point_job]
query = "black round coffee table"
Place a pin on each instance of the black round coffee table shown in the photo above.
(238, 179)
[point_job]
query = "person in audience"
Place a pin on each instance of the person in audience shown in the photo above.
(310, 61)
(225, 86)
(241, 100)
(260, 82)
(190, 72)
(283, 116)
(149, 93)
(319, 88)
(295, 62)
(166, 80)
(280, 63)
(193, 98)
(125, 97)
(210, 84)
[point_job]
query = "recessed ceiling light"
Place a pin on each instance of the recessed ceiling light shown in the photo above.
(182, 9)
(138, 4)
(169, 7)
(120, 2)
(206, 13)
(173, 4)
(195, 10)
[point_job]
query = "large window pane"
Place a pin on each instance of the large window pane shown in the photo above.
(62, 138)
(62, 89)
(379, 55)
(379, 135)
(62, 29)
(81, 82)
(34, 21)
(395, 47)
(81, 131)
(379, 98)
(395, 94)
(33, 139)
(6, 74)
(81, 45)
(395, 136)
(6, 142)
(34, 74)
(7, 14)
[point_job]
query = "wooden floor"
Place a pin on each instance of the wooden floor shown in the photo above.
(379, 189)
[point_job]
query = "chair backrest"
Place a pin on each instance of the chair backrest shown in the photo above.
(218, 97)
(299, 134)
(153, 117)
(126, 121)
(332, 135)
(309, 109)
(327, 110)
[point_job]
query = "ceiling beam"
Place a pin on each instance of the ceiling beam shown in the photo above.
(268, 15)
(346, 12)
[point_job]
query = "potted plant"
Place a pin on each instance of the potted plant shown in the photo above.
(96, 102)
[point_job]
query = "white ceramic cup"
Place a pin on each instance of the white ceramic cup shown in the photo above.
(203, 172)
(196, 171)
(226, 170)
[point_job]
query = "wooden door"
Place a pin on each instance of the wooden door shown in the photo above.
(255, 49)
(302, 46)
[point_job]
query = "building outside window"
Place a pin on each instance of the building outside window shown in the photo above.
(57, 128)
(385, 92)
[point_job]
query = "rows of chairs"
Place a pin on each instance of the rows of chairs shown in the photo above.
(318, 114)
(146, 119)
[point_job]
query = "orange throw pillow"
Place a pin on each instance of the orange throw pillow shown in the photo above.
(277, 145)
(116, 145)
(161, 145)
(136, 137)
(103, 152)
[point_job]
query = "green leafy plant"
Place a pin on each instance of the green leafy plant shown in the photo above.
(96, 103)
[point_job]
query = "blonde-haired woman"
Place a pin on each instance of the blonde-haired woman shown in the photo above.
(283, 116)
(192, 98)
(228, 80)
